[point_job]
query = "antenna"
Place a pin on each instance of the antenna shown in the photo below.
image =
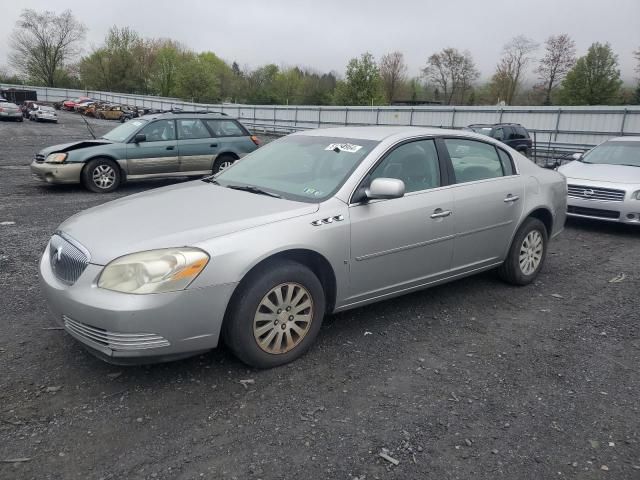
(88, 126)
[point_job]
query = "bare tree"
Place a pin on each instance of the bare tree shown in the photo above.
(559, 58)
(43, 43)
(637, 55)
(516, 57)
(393, 72)
(452, 72)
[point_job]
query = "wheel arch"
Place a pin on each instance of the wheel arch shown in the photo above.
(544, 215)
(313, 260)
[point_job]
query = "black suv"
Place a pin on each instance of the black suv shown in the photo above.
(512, 134)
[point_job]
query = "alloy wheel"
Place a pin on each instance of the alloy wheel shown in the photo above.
(104, 176)
(531, 252)
(283, 318)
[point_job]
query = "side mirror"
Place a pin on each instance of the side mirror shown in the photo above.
(140, 137)
(385, 188)
(577, 156)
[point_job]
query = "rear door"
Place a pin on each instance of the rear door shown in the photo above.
(488, 201)
(158, 154)
(197, 147)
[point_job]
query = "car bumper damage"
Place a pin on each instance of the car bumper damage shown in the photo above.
(128, 328)
(56, 172)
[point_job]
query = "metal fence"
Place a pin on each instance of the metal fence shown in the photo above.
(556, 130)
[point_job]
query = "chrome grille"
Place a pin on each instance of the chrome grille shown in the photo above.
(112, 340)
(39, 158)
(596, 193)
(68, 260)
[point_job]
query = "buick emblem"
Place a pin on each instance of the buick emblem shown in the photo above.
(587, 192)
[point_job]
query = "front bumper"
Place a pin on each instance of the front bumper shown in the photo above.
(127, 328)
(627, 211)
(57, 172)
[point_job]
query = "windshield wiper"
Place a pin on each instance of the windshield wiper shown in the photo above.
(253, 189)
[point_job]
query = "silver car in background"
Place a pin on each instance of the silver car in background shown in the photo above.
(310, 224)
(10, 111)
(604, 183)
(43, 113)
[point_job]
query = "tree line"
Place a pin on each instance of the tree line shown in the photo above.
(46, 50)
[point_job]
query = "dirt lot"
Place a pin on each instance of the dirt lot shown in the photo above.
(475, 379)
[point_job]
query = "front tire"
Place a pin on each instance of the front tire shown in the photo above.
(526, 254)
(276, 315)
(101, 175)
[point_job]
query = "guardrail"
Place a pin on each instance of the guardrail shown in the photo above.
(557, 130)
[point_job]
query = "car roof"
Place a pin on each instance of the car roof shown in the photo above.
(377, 133)
(509, 124)
(156, 116)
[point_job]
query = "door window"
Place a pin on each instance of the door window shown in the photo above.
(507, 165)
(192, 128)
(499, 134)
(473, 160)
(415, 163)
(159, 131)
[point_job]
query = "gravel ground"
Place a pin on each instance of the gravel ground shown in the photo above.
(474, 379)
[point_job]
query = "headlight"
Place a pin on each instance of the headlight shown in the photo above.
(56, 158)
(636, 195)
(154, 271)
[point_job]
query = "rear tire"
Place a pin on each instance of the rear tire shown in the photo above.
(101, 175)
(526, 254)
(275, 315)
(223, 162)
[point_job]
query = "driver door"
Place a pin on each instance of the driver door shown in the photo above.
(158, 154)
(404, 242)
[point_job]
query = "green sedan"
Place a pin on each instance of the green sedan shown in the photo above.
(153, 146)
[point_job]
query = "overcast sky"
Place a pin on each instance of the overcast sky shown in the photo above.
(325, 34)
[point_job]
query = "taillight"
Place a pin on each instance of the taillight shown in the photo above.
(255, 140)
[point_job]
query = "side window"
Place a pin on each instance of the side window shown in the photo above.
(499, 134)
(160, 131)
(225, 128)
(507, 164)
(473, 160)
(191, 128)
(415, 163)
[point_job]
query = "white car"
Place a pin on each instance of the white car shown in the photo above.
(604, 183)
(44, 113)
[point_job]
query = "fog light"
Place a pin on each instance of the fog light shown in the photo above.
(631, 216)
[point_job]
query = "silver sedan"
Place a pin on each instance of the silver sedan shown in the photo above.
(604, 184)
(313, 223)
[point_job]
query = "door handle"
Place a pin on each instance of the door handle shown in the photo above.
(213, 145)
(170, 147)
(439, 213)
(511, 198)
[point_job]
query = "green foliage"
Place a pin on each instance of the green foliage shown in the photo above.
(362, 85)
(594, 80)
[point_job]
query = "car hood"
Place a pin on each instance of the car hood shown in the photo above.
(67, 147)
(598, 172)
(174, 216)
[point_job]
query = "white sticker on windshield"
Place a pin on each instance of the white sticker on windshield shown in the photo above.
(344, 147)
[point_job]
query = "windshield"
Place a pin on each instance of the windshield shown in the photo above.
(124, 131)
(46, 109)
(299, 167)
(615, 153)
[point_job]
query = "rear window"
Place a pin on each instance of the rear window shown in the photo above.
(226, 128)
(520, 132)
